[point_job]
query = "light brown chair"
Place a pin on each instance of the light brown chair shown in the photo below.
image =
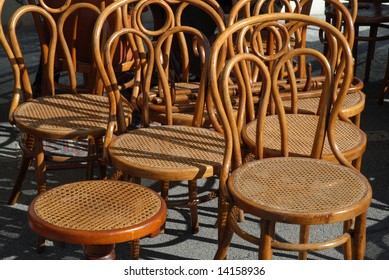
(98, 214)
(351, 139)
(163, 153)
(303, 191)
(56, 117)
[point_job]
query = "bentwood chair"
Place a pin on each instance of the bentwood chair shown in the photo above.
(350, 138)
(55, 117)
(163, 153)
(181, 63)
(286, 189)
(77, 31)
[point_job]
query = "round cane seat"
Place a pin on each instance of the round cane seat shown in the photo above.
(350, 139)
(97, 212)
(168, 152)
(300, 190)
(353, 104)
(64, 116)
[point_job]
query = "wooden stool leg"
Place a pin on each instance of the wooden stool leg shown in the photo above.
(135, 249)
(359, 238)
(265, 250)
(193, 206)
(99, 252)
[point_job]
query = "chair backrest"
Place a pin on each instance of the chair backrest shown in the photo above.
(77, 31)
(199, 50)
(337, 79)
(22, 69)
(144, 61)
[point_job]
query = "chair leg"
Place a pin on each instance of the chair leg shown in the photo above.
(225, 241)
(265, 250)
(193, 206)
(385, 83)
(370, 52)
(359, 237)
(90, 163)
(304, 238)
(23, 168)
(347, 247)
(135, 249)
(40, 165)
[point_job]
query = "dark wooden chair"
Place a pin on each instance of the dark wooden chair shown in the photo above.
(373, 14)
(286, 188)
(98, 214)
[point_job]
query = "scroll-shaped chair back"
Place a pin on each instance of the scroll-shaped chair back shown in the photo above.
(335, 76)
(199, 49)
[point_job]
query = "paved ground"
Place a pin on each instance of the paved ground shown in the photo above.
(17, 241)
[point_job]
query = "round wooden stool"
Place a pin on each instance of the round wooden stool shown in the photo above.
(98, 214)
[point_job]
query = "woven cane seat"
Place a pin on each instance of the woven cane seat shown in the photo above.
(301, 129)
(353, 104)
(64, 116)
(97, 212)
(302, 190)
(169, 152)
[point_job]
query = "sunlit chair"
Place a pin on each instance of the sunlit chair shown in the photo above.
(54, 117)
(286, 188)
(163, 153)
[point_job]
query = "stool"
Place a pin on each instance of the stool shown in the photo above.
(98, 214)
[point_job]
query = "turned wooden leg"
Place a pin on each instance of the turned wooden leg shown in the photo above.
(40, 166)
(135, 249)
(99, 252)
(193, 206)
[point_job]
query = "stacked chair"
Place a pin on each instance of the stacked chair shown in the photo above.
(280, 185)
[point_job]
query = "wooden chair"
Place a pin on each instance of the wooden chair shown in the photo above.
(98, 214)
(350, 138)
(55, 117)
(163, 153)
(286, 189)
(373, 14)
(77, 31)
(181, 64)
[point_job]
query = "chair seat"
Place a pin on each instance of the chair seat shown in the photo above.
(300, 190)
(353, 104)
(64, 116)
(97, 212)
(350, 139)
(368, 14)
(168, 152)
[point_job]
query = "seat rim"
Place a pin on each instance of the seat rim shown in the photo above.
(195, 168)
(67, 129)
(351, 153)
(96, 237)
(296, 217)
